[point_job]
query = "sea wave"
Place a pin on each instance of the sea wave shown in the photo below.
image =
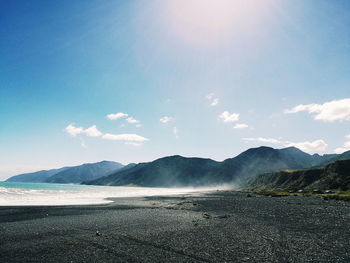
(83, 196)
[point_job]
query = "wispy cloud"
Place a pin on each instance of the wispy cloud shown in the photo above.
(241, 126)
(124, 137)
(209, 96)
(129, 139)
(306, 146)
(310, 147)
(132, 120)
(128, 118)
(166, 119)
(213, 101)
(91, 131)
(229, 117)
(264, 140)
(336, 110)
(74, 131)
(117, 115)
(345, 147)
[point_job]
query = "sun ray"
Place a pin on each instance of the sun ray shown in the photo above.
(205, 21)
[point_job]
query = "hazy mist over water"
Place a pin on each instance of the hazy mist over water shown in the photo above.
(40, 194)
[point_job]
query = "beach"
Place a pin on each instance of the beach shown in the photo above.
(222, 226)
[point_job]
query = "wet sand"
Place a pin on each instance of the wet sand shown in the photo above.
(212, 227)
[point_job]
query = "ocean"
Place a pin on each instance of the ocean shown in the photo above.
(40, 194)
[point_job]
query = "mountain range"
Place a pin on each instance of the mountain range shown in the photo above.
(69, 175)
(174, 171)
(335, 176)
(181, 171)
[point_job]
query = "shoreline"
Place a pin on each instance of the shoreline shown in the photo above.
(208, 227)
(86, 195)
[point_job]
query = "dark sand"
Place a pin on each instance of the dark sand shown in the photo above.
(219, 227)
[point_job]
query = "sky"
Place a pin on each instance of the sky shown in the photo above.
(133, 81)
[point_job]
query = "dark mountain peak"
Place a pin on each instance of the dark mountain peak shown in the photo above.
(101, 162)
(171, 157)
(262, 150)
(181, 158)
(291, 149)
(105, 161)
(265, 150)
(168, 159)
(294, 151)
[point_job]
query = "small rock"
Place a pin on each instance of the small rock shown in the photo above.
(249, 195)
(223, 216)
(206, 216)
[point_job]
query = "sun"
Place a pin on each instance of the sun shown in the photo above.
(204, 21)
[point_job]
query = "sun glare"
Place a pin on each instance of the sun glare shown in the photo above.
(204, 21)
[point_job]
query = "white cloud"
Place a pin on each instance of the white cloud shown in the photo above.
(128, 119)
(176, 132)
(209, 96)
(166, 119)
(132, 120)
(240, 126)
(309, 147)
(74, 131)
(212, 100)
(91, 131)
(264, 140)
(336, 110)
(117, 116)
(345, 147)
(124, 137)
(229, 117)
(341, 150)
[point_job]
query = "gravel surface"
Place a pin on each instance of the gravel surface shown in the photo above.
(216, 227)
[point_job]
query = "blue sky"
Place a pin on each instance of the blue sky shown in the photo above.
(228, 75)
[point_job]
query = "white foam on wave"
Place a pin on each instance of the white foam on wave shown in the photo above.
(84, 196)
